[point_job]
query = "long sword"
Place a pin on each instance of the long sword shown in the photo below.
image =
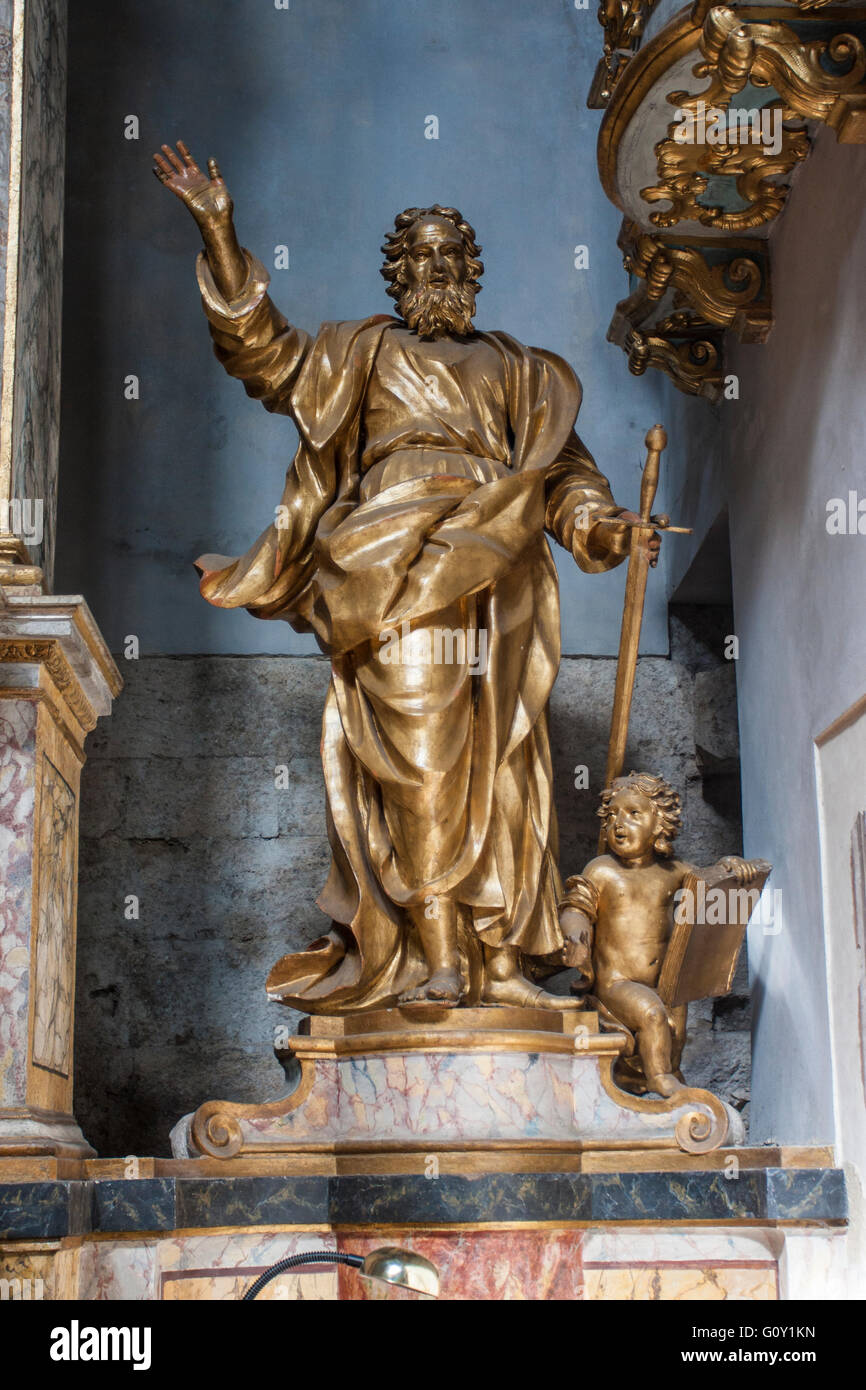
(632, 613)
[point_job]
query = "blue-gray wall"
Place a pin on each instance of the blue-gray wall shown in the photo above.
(317, 115)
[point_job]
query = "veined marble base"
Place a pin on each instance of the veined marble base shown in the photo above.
(432, 1080)
(26, 1132)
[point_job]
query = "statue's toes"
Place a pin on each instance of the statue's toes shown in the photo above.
(412, 996)
(445, 994)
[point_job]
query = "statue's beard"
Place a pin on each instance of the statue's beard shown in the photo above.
(431, 310)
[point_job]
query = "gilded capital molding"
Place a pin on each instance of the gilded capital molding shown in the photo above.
(50, 655)
(57, 635)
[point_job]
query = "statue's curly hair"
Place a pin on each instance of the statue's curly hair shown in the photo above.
(395, 247)
(668, 804)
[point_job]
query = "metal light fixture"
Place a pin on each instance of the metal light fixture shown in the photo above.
(388, 1265)
(391, 1265)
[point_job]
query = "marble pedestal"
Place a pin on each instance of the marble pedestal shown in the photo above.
(528, 1085)
(56, 678)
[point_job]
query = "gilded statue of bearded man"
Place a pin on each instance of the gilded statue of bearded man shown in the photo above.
(433, 458)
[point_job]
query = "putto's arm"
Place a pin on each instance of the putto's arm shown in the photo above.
(578, 497)
(251, 337)
(745, 870)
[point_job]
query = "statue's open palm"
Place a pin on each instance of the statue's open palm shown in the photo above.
(205, 195)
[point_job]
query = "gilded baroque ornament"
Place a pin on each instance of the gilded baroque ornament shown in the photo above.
(810, 6)
(693, 363)
(623, 22)
(686, 293)
(685, 170)
(774, 55)
(811, 69)
(730, 294)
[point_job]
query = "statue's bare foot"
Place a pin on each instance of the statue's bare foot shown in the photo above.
(444, 987)
(516, 992)
(665, 1084)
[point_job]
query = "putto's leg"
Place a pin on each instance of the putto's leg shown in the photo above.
(438, 932)
(678, 1019)
(641, 1010)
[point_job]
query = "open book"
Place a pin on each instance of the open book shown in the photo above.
(710, 920)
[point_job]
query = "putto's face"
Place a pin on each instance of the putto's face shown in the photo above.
(632, 824)
(435, 254)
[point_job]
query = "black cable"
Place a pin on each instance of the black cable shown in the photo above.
(308, 1257)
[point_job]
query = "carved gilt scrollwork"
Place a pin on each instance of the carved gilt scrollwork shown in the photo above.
(693, 364)
(809, 6)
(216, 1128)
(724, 159)
(774, 55)
(623, 22)
(729, 294)
(685, 294)
(701, 1129)
(685, 170)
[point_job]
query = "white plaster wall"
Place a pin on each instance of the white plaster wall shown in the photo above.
(840, 760)
(795, 439)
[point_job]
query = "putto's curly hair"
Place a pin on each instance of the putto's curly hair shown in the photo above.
(667, 801)
(393, 271)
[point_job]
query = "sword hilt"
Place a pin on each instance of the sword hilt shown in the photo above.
(655, 441)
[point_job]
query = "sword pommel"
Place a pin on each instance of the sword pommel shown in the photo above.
(656, 440)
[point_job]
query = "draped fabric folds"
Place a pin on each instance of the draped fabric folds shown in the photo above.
(437, 771)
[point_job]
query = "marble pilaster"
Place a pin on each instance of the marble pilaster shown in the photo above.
(32, 156)
(56, 678)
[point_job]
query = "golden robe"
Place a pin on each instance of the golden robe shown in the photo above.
(416, 506)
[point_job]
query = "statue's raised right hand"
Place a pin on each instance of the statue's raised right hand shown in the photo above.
(205, 195)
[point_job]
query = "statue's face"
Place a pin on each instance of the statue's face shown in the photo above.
(435, 254)
(438, 298)
(632, 824)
